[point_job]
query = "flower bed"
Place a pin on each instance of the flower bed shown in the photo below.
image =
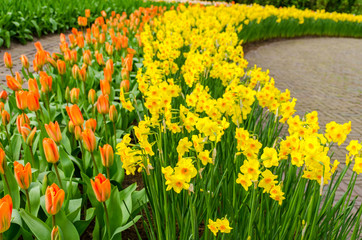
(168, 94)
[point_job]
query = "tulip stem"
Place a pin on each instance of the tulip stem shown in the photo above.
(27, 70)
(1, 236)
(12, 73)
(58, 176)
(37, 117)
(94, 163)
(115, 135)
(105, 127)
(28, 199)
(107, 221)
(32, 156)
(108, 175)
(6, 181)
(85, 94)
(7, 133)
(53, 220)
(48, 104)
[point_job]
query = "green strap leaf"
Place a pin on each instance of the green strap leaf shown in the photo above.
(37, 227)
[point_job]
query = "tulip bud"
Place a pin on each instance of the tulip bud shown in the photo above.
(73, 55)
(91, 124)
(103, 104)
(19, 78)
(29, 137)
(2, 161)
(13, 84)
(101, 187)
(24, 61)
(53, 131)
(87, 57)
(91, 96)
(51, 61)
(110, 65)
(109, 49)
(102, 38)
(75, 70)
(1, 106)
(3, 95)
(55, 235)
(33, 102)
(105, 87)
(21, 99)
(22, 175)
(7, 60)
(61, 67)
(71, 126)
(78, 133)
(74, 95)
(125, 85)
(5, 117)
(6, 209)
(50, 150)
(107, 155)
(107, 74)
(75, 115)
(113, 114)
(67, 94)
(46, 82)
(33, 87)
(54, 198)
(89, 140)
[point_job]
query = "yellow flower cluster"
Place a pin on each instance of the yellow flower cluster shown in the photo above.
(221, 225)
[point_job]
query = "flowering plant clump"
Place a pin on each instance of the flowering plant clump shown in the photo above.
(167, 95)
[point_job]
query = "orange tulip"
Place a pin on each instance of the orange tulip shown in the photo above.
(80, 41)
(87, 13)
(113, 114)
(54, 198)
(6, 209)
(75, 115)
(87, 57)
(2, 161)
(91, 96)
(7, 60)
(102, 38)
(53, 131)
(13, 84)
(107, 155)
(73, 55)
(99, 58)
(91, 124)
(131, 51)
(82, 74)
(104, 14)
(103, 104)
(22, 175)
(38, 46)
(50, 150)
(74, 95)
(89, 140)
(5, 117)
(107, 74)
(105, 87)
(109, 49)
(28, 134)
(67, 94)
(1, 106)
(33, 87)
(51, 61)
(110, 65)
(21, 99)
(3, 95)
(101, 187)
(33, 101)
(21, 120)
(75, 71)
(125, 85)
(61, 67)
(46, 82)
(24, 61)
(124, 74)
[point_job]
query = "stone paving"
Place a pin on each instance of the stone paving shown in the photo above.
(324, 74)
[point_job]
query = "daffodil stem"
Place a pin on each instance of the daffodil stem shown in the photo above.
(94, 163)
(107, 221)
(32, 156)
(58, 176)
(28, 199)
(250, 229)
(53, 220)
